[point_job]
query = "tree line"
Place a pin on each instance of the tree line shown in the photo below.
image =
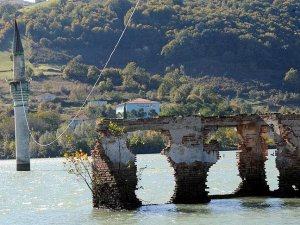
(243, 39)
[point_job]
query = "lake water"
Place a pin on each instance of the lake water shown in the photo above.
(49, 195)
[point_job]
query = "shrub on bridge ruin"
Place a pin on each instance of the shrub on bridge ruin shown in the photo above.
(115, 130)
(79, 164)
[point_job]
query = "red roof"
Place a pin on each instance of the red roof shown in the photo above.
(141, 101)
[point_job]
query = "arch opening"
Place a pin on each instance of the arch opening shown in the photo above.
(272, 172)
(223, 177)
(156, 181)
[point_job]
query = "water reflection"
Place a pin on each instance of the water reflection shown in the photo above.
(256, 203)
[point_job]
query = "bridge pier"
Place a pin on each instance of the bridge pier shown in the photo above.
(114, 175)
(288, 155)
(190, 183)
(191, 160)
(252, 154)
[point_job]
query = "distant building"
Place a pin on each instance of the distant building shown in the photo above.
(79, 120)
(138, 108)
(47, 97)
(97, 103)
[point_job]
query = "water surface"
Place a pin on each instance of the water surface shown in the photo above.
(49, 195)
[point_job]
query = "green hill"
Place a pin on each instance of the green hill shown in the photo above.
(249, 39)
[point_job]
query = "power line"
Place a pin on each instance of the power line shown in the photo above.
(88, 96)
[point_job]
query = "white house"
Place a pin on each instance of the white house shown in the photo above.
(79, 120)
(138, 108)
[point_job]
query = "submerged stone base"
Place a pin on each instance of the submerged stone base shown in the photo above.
(114, 184)
(252, 187)
(190, 183)
(289, 176)
(23, 167)
(252, 171)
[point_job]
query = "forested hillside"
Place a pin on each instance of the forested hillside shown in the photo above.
(244, 39)
(203, 57)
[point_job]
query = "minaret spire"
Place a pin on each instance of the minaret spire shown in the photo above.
(18, 55)
(17, 43)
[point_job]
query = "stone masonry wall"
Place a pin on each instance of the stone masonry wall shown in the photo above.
(251, 155)
(190, 183)
(288, 155)
(114, 183)
(189, 155)
(190, 161)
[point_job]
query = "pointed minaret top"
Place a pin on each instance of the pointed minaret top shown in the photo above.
(17, 44)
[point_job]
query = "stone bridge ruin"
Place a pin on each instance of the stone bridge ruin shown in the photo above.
(191, 156)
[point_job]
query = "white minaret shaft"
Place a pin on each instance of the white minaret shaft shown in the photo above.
(19, 88)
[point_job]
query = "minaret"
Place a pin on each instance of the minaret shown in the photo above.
(18, 86)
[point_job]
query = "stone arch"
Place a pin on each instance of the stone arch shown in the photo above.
(191, 157)
(185, 153)
(251, 155)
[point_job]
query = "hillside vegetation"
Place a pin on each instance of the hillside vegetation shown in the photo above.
(5, 65)
(248, 39)
(207, 57)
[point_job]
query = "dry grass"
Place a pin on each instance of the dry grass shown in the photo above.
(5, 65)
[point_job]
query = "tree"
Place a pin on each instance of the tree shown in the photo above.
(155, 81)
(141, 113)
(86, 136)
(62, 2)
(76, 70)
(105, 85)
(134, 77)
(162, 92)
(179, 95)
(152, 113)
(114, 74)
(93, 72)
(29, 71)
(291, 78)
(119, 6)
(52, 150)
(44, 120)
